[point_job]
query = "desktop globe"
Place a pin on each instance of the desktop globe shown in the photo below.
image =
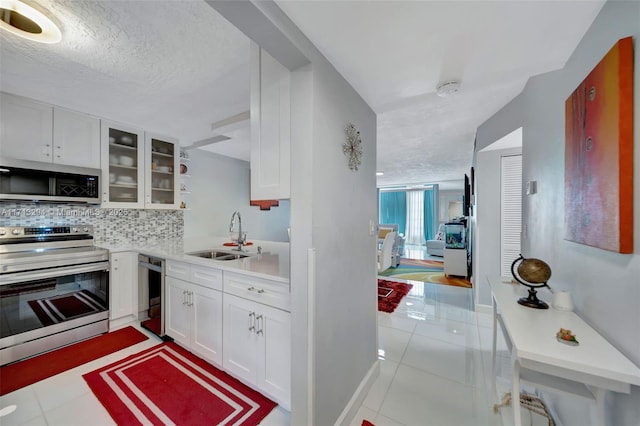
(533, 273)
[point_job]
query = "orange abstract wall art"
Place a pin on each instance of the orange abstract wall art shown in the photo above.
(599, 154)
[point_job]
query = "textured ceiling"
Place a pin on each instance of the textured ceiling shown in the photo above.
(171, 67)
(176, 66)
(395, 53)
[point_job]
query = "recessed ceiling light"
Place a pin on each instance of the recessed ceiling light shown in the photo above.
(379, 173)
(447, 89)
(25, 21)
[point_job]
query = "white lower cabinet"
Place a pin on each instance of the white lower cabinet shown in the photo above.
(194, 318)
(123, 288)
(257, 346)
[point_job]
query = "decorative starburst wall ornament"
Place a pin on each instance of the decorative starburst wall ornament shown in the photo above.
(352, 148)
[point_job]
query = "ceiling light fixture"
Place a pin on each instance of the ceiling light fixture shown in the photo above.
(448, 88)
(379, 173)
(25, 21)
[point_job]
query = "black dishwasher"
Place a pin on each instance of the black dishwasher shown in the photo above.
(151, 293)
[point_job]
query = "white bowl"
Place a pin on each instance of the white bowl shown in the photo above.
(126, 140)
(112, 177)
(127, 161)
(165, 169)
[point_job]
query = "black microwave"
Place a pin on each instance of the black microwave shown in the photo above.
(35, 181)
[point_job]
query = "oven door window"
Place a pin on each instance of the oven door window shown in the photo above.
(39, 303)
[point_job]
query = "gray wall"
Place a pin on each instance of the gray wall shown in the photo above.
(343, 202)
(604, 284)
(220, 185)
(487, 231)
(334, 341)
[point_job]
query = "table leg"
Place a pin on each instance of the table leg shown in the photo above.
(515, 392)
(597, 408)
(493, 351)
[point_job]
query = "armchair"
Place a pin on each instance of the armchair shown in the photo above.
(385, 253)
(398, 241)
(435, 247)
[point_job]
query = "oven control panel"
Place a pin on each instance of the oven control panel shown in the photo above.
(12, 232)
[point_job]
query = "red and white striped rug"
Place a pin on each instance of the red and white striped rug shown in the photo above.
(168, 385)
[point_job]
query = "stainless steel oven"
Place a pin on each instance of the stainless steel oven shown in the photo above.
(54, 289)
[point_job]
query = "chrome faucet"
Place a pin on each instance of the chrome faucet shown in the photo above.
(241, 237)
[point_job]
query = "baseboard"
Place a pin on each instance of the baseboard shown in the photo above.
(359, 395)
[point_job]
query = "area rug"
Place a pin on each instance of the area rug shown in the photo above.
(55, 309)
(168, 385)
(390, 293)
(430, 271)
(24, 373)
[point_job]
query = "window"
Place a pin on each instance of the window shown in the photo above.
(414, 210)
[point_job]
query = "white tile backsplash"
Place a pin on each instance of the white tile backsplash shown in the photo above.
(111, 226)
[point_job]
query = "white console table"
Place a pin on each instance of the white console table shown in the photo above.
(586, 371)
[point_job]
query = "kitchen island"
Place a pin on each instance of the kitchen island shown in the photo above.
(233, 313)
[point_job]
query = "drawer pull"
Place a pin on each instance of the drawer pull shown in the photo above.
(252, 323)
(184, 297)
(260, 318)
(258, 290)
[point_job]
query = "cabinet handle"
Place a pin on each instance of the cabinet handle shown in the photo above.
(184, 297)
(259, 318)
(258, 290)
(252, 321)
(190, 298)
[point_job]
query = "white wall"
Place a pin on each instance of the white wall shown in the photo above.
(447, 196)
(487, 213)
(604, 284)
(219, 186)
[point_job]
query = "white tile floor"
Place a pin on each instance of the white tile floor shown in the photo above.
(435, 355)
(435, 360)
(65, 399)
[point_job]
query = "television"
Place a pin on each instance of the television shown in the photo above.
(466, 200)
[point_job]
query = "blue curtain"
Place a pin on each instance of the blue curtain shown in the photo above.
(393, 209)
(429, 223)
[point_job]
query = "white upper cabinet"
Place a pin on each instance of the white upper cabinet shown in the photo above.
(122, 159)
(76, 139)
(26, 129)
(39, 132)
(162, 168)
(270, 127)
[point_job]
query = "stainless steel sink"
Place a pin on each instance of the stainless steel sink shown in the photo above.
(218, 255)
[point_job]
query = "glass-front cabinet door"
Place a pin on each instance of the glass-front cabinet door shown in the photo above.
(122, 159)
(162, 159)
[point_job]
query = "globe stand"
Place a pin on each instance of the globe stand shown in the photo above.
(532, 301)
(542, 274)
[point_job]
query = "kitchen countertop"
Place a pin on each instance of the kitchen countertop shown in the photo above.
(272, 264)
